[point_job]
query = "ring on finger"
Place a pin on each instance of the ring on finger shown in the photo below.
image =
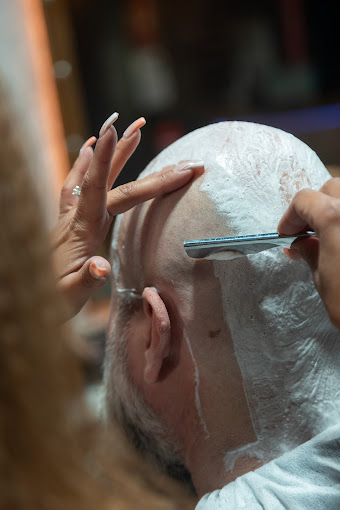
(76, 190)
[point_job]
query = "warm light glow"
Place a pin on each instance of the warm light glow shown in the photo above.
(52, 134)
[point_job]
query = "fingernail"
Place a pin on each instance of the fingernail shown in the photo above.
(108, 123)
(88, 143)
(182, 167)
(131, 130)
(96, 270)
(292, 254)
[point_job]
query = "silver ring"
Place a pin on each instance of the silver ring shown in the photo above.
(76, 190)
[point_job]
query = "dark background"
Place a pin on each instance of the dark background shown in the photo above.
(183, 64)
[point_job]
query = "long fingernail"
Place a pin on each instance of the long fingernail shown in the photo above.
(133, 128)
(108, 123)
(88, 143)
(97, 271)
(182, 167)
(292, 254)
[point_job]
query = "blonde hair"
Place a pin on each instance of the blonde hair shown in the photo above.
(51, 456)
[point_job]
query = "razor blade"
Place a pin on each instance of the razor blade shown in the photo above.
(234, 247)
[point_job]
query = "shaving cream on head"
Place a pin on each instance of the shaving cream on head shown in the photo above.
(287, 350)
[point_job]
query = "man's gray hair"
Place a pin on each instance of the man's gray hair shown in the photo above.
(125, 404)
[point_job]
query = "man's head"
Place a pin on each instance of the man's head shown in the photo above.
(224, 361)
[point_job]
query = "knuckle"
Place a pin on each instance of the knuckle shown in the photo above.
(300, 195)
(330, 185)
(65, 199)
(92, 183)
(331, 214)
(78, 225)
(327, 186)
(64, 192)
(127, 189)
(163, 177)
(86, 183)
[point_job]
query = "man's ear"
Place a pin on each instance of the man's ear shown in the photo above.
(159, 337)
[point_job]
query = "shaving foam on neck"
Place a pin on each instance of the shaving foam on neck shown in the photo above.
(197, 390)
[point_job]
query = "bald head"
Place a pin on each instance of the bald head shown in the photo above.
(236, 325)
(252, 171)
(251, 174)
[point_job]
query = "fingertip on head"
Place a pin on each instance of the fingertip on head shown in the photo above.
(189, 166)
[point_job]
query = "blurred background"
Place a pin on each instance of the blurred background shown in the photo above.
(185, 64)
(182, 65)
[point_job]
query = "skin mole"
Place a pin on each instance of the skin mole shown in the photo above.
(214, 334)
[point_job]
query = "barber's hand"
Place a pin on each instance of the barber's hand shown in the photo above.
(84, 220)
(318, 211)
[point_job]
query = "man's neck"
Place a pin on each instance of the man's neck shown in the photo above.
(208, 470)
(219, 411)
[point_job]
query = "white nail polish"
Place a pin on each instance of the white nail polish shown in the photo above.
(181, 167)
(108, 123)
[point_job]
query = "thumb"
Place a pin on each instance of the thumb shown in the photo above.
(78, 287)
(309, 251)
